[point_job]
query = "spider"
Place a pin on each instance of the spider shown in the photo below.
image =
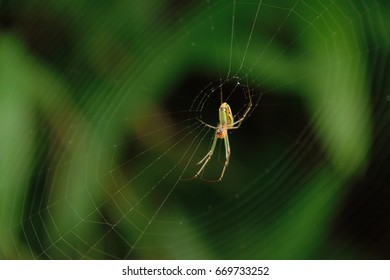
(226, 122)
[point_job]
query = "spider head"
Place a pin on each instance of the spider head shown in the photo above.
(221, 131)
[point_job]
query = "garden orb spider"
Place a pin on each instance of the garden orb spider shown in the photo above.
(226, 122)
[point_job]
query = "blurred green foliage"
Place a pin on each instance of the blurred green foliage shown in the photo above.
(91, 153)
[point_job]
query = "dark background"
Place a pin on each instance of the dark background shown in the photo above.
(98, 108)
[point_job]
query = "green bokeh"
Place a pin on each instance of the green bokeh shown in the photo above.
(87, 170)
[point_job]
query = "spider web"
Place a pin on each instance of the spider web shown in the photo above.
(114, 130)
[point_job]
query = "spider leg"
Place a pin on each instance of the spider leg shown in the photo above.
(227, 155)
(206, 124)
(233, 127)
(237, 123)
(207, 157)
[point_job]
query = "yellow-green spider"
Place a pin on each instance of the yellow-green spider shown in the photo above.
(226, 122)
